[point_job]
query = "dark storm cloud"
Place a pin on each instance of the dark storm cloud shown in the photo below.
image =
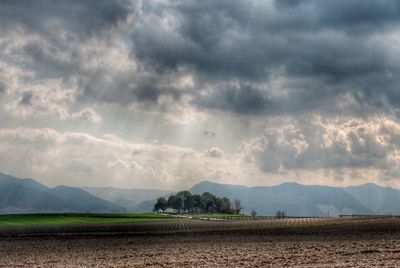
(326, 44)
(82, 18)
(126, 88)
(147, 90)
(56, 31)
(249, 39)
(241, 99)
(344, 15)
(63, 49)
(234, 51)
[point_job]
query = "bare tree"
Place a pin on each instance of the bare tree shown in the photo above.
(253, 213)
(237, 206)
(280, 214)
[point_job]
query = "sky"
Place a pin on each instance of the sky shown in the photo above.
(164, 94)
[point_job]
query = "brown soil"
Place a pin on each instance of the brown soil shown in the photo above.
(202, 250)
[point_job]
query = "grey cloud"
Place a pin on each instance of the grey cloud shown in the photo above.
(59, 30)
(327, 45)
(249, 39)
(215, 152)
(81, 19)
(242, 98)
(149, 87)
(60, 39)
(3, 87)
(26, 98)
(134, 66)
(70, 36)
(126, 88)
(349, 15)
(234, 50)
(256, 99)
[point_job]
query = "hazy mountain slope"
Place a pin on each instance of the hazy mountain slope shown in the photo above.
(296, 199)
(27, 195)
(17, 198)
(133, 200)
(145, 206)
(302, 200)
(4, 178)
(382, 200)
(76, 198)
(228, 190)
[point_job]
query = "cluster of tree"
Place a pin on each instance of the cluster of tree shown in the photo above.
(185, 202)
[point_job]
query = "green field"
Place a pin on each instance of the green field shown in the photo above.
(15, 220)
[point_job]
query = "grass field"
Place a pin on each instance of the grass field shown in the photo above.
(97, 224)
(16, 220)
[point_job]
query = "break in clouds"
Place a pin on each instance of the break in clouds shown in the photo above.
(163, 94)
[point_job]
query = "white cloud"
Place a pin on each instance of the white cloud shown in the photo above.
(341, 146)
(124, 164)
(80, 159)
(89, 115)
(46, 98)
(29, 98)
(357, 151)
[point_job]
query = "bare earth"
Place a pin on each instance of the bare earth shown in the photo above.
(204, 250)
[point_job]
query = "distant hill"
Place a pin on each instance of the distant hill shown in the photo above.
(133, 200)
(294, 198)
(309, 200)
(382, 200)
(28, 195)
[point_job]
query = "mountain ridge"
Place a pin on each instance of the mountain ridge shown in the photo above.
(133, 200)
(308, 200)
(28, 195)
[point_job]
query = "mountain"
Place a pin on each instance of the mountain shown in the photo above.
(28, 195)
(309, 200)
(79, 199)
(4, 178)
(227, 190)
(133, 200)
(382, 200)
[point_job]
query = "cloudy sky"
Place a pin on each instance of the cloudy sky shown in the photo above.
(164, 94)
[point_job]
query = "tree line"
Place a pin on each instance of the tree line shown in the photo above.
(186, 202)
